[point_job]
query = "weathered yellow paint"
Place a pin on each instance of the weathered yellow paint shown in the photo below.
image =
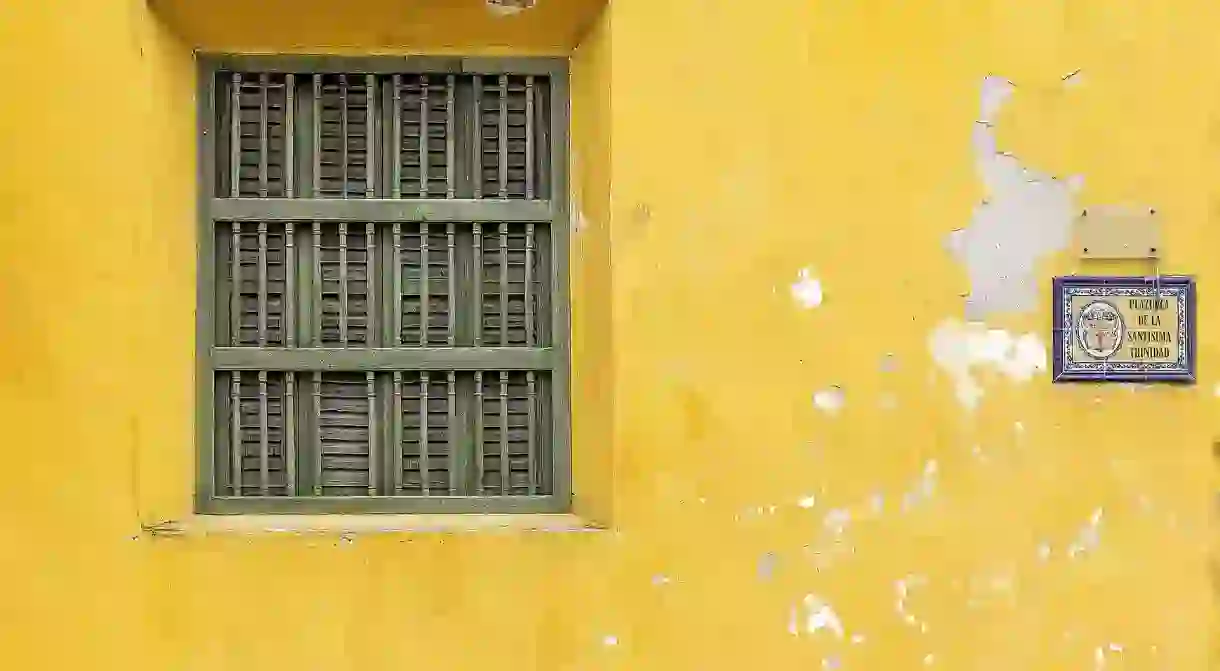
(719, 147)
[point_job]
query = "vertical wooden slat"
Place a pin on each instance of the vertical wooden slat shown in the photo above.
(235, 444)
(371, 393)
(425, 299)
(290, 111)
(397, 270)
(264, 85)
(451, 382)
(396, 154)
(530, 335)
(317, 284)
(531, 427)
(504, 285)
(317, 138)
(288, 304)
(423, 136)
(370, 145)
(290, 433)
(450, 174)
(235, 307)
(317, 434)
(370, 293)
(529, 137)
(425, 473)
(343, 284)
(264, 441)
(450, 273)
(477, 304)
(504, 488)
(235, 137)
(262, 284)
(478, 431)
(396, 423)
(343, 134)
(503, 136)
(476, 167)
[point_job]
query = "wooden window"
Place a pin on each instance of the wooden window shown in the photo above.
(383, 318)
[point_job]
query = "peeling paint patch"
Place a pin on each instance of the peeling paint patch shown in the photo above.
(830, 401)
(836, 521)
(509, 7)
(958, 347)
(807, 501)
(1089, 536)
(1044, 551)
(807, 290)
(815, 614)
(924, 488)
(902, 591)
(766, 565)
(1028, 215)
(889, 363)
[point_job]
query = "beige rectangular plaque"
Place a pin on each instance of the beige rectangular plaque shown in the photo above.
(1118, 233)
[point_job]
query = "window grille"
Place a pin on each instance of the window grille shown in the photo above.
(383, 285)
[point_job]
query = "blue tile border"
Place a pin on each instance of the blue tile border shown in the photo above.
(1180, 287)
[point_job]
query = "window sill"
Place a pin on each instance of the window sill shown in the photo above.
(346, 525)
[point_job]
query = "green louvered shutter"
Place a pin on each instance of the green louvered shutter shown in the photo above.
(383, 314)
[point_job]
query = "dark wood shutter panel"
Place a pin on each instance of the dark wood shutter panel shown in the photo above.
(404, 359)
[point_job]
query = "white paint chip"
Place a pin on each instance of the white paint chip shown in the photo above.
(610, 641)
(817, 615)
(958, 348)
(807, 290)
(807, 501)
(1089, 536)
(836, 520)
(830, 401)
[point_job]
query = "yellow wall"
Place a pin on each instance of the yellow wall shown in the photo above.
(719, 147)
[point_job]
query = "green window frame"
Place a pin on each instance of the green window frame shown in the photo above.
(383, 319)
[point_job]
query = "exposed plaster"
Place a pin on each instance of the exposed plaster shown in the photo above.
(807, 290)
(509, 7)
(829, 401)
(960, 347)
(813, 615)
(766, 565)
(1089, 536)
(1027, 216)
(902, 590)
(924, 488)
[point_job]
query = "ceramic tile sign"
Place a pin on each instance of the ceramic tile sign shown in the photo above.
(1124, 329)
